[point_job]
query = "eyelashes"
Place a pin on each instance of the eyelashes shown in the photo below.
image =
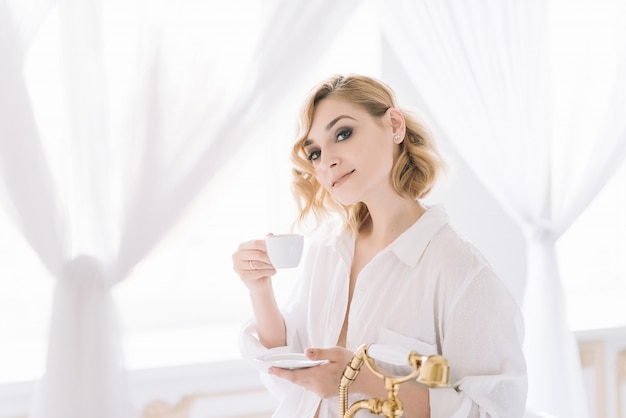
(341, 135)
(314, 155)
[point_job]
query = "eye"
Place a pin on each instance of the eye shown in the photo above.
(344, 134)
(314, 155)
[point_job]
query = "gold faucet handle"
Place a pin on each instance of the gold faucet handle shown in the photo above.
(434, 372)
(389, 354)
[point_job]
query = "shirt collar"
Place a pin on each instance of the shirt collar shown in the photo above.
(409, 246)
(344, 245)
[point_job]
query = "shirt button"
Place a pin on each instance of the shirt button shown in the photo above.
(362, 290)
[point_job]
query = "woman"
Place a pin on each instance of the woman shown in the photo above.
(396, 274)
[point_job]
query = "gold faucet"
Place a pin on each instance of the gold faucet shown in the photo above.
(431, 371)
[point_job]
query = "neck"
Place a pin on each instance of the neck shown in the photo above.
(390, 218)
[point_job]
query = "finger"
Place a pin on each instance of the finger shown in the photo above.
(255, 266)
(255, 244)
(251, 254)
(251, 260)
(318, 379)
(330, 354)
(290, 375)
(248, 275)
(258, 264)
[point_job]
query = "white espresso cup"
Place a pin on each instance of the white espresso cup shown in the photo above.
(284, 250)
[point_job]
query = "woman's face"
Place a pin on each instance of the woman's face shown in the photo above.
(351, 152)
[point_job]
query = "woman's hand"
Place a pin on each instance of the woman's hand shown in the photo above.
(252, 264)
(323, 379)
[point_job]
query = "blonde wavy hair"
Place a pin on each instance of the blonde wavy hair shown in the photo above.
(414, 171)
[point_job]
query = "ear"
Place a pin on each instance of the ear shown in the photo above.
(397, 123)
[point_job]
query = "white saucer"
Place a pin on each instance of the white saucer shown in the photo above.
(290, 361)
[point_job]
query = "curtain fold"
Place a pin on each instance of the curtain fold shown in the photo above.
(89, 233)
(608, 152)
(26, 17)
(482, 70)
(23, 164)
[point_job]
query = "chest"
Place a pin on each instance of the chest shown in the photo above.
(364, 254)
(362, 301)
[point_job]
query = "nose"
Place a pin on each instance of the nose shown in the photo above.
(329, 158)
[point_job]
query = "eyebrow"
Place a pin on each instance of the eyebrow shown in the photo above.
(337, 119)
(329, 126)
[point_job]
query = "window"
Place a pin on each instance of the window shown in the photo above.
(593, 262)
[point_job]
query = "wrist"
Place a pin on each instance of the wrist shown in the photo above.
(367, 383)
(261, 286)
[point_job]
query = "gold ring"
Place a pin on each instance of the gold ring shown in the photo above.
(251, 265)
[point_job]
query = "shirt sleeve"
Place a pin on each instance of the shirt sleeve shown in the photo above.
(294, 316)
(482, 336)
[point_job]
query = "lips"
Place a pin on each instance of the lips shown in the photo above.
(337, 181)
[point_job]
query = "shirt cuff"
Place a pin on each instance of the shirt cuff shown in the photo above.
(447, 402)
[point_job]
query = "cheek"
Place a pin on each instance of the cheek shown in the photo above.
(382, 158)
(321, 178)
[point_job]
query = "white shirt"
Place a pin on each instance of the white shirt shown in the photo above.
(429, 291)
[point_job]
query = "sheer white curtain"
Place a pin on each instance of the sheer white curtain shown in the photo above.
(97, 210)
(482, 69)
